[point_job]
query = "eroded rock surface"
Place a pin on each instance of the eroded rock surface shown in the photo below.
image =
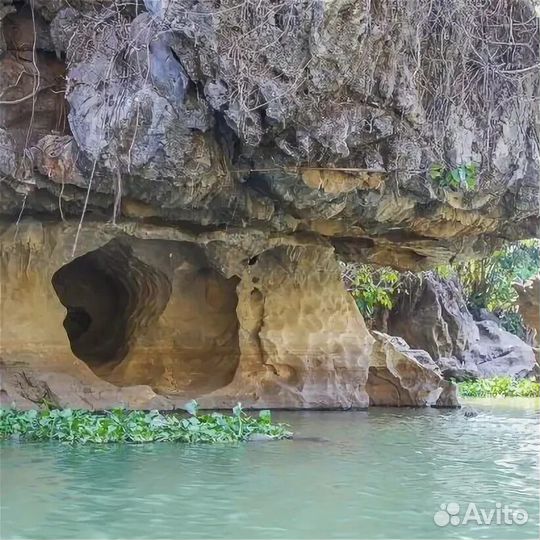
(26, 385)
(430, 313)
(219, 318)
(280, 117)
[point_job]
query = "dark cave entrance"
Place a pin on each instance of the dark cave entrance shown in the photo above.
(108, 294)
(77, 322)
(114, 304)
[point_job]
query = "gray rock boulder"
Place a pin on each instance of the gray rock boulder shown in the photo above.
(498, 352)
(430, 313)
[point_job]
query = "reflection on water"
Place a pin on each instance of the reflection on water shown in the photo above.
(377, 474)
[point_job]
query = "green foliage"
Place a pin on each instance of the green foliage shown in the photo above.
(374, 288)
(120, 425)
(488, 283)
(464, 177)
(499, 386)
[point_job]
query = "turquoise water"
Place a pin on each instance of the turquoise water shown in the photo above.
(377, 474)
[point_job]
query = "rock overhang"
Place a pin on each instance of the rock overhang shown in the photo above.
(156, 127)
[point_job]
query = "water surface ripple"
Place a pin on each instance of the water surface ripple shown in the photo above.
(377, 474)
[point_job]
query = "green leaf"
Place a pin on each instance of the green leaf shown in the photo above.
(471, 182)
(455, 178)
(265, 415)
(436, 171)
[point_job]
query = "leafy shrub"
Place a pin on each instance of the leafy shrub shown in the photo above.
(488, 283)
(463, 177)
(499, 386)
(120, 425)
(374, 288)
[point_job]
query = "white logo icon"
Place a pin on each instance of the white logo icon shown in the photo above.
(449, 514)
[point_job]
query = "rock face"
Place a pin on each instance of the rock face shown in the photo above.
(178, 176)
(403, 377)
(134, 310)
(278, 117)
(430, 313)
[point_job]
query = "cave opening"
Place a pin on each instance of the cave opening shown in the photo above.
(108, 294)
(152, 312)
(77, 322)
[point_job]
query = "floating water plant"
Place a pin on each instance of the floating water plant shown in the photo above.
(120, 425)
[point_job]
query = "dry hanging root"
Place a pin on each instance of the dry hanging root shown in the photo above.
(84, 209)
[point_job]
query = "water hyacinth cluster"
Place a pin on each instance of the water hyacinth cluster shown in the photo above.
(499, 386)
(120, 425)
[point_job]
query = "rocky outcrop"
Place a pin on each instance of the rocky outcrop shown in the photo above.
(403, 377)
(148, 322)
(25, 385)
(178, 176)
(430, 313)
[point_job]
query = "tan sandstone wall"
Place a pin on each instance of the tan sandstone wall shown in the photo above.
(303, 342)
(148, 315)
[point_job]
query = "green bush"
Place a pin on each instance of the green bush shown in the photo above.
(120, 425)
(489, 283)
(499, 386)
(374, 288)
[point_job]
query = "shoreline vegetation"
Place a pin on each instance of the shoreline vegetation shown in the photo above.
(499, 387)
(124, 426)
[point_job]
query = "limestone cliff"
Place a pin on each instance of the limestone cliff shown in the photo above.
(284, 116)
(178, 176)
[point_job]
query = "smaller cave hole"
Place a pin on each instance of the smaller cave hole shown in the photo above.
(77, 322)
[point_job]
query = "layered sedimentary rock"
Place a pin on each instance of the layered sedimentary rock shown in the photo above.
(156, 156)
(430, 313)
